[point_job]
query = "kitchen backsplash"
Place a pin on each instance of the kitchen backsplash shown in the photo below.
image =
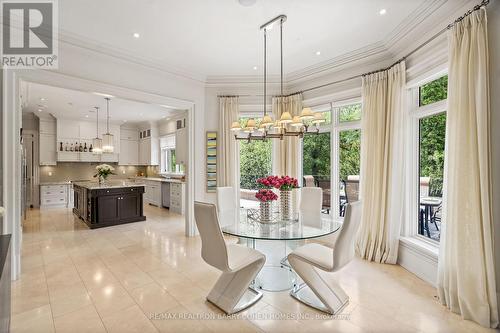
(86, 171)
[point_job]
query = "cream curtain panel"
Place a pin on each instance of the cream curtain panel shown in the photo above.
(382, 164)
(287, 155)
(228, 153)
(466, 274)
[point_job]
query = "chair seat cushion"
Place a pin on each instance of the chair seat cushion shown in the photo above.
(240, 256)
(316, 254)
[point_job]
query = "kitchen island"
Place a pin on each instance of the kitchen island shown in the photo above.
(104, 205)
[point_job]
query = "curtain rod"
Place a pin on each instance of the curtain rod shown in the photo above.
(483, 3)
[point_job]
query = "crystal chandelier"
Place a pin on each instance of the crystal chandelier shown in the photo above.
(265, 128)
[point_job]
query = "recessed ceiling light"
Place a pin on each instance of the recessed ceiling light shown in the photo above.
(247, 3)
(318, 52)
(383, 11)
(167, 106)
(136, 35)
(254, 68)
(40, 110)
(43, 99)
(86, 116)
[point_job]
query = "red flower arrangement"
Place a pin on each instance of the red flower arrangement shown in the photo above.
(283, 183)
(265, 195)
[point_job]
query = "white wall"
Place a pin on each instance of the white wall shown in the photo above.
(494, 44)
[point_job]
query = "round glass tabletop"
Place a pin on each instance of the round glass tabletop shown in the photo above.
(246, 224)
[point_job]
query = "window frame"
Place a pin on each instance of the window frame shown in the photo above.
(335, 127)
(414, 113)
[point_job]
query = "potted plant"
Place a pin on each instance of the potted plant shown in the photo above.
(103, 171)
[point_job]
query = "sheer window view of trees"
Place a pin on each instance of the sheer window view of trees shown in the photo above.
(432, 136)
(316, 156)
(255, 160)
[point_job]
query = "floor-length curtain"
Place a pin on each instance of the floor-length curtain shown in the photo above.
(228, 153)
(466, 274)
(287, 157)
(381, 184)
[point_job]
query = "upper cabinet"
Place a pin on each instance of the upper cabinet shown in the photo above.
(47, 142)
(149, 145)
(129, 146)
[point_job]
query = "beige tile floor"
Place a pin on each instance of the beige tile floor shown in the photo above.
(149, 277)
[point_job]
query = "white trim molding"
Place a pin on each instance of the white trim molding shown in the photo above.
(419, 257)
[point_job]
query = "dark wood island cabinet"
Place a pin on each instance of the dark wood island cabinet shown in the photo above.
(106, 205)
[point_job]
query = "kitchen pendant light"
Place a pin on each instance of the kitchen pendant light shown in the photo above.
(107, 139)
(97, 142)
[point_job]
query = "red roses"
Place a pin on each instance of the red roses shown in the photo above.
(284, 183)
(265, 195)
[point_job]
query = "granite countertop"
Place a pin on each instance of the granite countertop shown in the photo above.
(56, 183)
(108, 184)
(158, 179)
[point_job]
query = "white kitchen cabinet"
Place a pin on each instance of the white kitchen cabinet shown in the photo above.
(149, 151)
(54, 195)
(68, 130)
(181, 146)
(47, 149)
(129, 152)
(152, 192)
(47, 126)
(129, 134)
(177, 198)
(68, 156)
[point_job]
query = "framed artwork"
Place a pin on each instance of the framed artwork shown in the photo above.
(211, 161)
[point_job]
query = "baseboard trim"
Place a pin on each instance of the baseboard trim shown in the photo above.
(419, 259)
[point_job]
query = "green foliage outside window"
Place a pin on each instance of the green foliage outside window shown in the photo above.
(316, 155)
(349, 153)
(434, 91)
(255, 162)
(350, 112)
(432, 136)
(432, 141)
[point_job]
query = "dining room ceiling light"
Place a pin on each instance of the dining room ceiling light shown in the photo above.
(266, 126)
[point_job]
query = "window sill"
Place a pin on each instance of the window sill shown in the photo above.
(422, 247)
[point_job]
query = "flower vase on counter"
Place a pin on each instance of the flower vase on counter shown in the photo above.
(103, 171)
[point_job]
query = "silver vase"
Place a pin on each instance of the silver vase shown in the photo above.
(286, 204)
(265, 211)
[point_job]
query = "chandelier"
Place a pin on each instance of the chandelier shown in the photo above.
(265, 128)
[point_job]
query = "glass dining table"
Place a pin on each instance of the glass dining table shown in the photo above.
(276, 239)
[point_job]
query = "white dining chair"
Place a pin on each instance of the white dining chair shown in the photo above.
(311, 199)
(227, 209)
(226, 199)
(239, 265)
(306, 260)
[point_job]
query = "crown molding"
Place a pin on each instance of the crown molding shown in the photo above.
(398, 40)
(71, 39)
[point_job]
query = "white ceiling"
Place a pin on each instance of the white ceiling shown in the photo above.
(73, 104)
(222, 37)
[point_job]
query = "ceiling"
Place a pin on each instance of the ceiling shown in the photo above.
(222, 37)
(72, 104)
